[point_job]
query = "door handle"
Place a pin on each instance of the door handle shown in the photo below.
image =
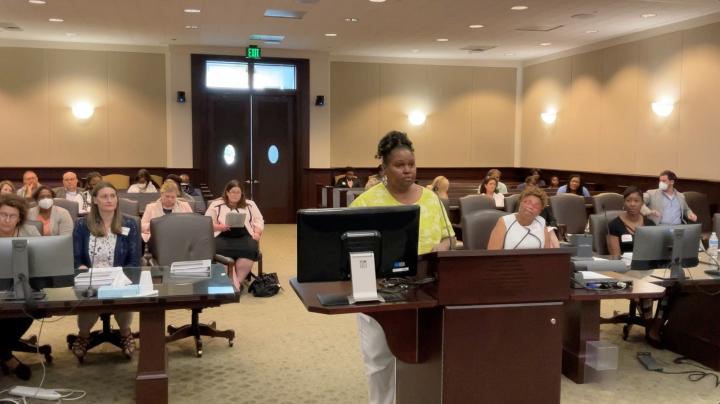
(247, 181)
(256, 182)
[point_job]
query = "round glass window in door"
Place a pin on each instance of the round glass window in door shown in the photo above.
(273, 154)
(229, 154)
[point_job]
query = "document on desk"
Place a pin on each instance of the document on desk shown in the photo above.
(102, 277)
(199, 268)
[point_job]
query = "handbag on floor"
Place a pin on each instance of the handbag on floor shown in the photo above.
(265, 285)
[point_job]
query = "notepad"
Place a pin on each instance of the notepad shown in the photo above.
(235, 219)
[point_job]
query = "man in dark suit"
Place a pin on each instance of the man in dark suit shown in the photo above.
(349, 180)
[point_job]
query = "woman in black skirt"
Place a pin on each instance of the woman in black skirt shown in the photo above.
(236, 237)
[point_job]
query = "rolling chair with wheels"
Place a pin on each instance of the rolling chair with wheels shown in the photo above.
(181, 237)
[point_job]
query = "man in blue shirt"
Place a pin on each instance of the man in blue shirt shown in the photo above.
(666, 205)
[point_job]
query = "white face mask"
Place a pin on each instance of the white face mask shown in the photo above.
(45, 203)
(663, 186)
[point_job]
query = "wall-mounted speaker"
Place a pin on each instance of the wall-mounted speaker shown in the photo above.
(320, 100)
(181, 97)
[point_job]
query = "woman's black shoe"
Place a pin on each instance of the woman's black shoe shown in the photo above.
(21, 370)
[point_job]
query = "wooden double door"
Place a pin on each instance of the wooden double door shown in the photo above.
(251, 138)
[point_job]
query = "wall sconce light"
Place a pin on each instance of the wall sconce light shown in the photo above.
(663, 108)
(416, 118)
(83, 110)
(549, 116)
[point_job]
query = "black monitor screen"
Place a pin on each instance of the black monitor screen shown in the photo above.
(50, 261)
(653, 246)
(325, 237)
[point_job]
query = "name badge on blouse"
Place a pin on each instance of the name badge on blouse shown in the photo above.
(125, 231)
(626, 238)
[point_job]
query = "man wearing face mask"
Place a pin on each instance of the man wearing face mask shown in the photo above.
(666, 205)
(56, 221)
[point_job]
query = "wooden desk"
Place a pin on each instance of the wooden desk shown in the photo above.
(490, 319)
(151, 382)
(581, 321)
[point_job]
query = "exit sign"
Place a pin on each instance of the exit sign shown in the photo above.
(252, 52)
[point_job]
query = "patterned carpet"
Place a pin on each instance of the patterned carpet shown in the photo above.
(285, 355)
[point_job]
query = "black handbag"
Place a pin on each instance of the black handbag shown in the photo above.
(265, 285)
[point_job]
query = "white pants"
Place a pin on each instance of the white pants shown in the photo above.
(379, 361)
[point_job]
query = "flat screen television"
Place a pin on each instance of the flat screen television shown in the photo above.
(326, 237)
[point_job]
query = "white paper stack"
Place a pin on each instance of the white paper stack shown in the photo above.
(102, 277)
(200, 268)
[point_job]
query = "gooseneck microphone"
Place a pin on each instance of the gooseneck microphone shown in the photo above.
(91, 291)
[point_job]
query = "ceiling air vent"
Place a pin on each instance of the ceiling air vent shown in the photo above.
(274, 13)
(478, 48)
(267, 38)
(539, 28)
(9, 26)
(583, 16)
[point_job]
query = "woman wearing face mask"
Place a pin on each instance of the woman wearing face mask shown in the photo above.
(56, 221)
(526, 228)
(143, 183)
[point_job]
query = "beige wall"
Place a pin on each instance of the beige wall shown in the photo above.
(179, 139)
(605, 122)
(470, 112)
(38, 87)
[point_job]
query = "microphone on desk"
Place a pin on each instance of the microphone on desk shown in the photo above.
(90, 291)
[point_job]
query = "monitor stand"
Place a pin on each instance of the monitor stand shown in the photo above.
(362, 275)
(677, 272)
(19, 263)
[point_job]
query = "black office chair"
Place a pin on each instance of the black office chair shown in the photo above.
(182, 237)
(477, 227)
(607, 201)
(510, 202)
(71, 206)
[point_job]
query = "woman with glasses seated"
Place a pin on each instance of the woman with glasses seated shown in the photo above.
(238, 241)
(103, 239)
(526, 228)
(56, 221)
(13, 212)
(168, 203)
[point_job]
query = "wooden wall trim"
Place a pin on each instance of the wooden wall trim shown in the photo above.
(52, 176)
(597, 181)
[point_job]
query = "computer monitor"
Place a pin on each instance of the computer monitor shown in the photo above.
(326, 237)
(35, 262)
(674, 247)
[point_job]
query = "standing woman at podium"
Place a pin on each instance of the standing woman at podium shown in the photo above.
(526, 228)
(398, 188)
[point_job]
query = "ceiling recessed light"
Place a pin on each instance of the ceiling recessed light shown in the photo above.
(377, 1)
(55, 19)
(191, 27)
(442, 39)
(331, 34)
(192, 10)
(37, 1)
(509, 54)
(545, 44)
(649, 15)
(474, 26)
(591, 31)
(519, 8)
(70, 34)
(415, 50)
(351, 19)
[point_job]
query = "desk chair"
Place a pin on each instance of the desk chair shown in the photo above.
(599, 229)
(569, 209)
(699, 204)
(511, 202)
(607, 201)
(716, 223)
(71, 206)
(181, 237)
(477, 227)
(129, 207)
(158, 179)
(108, 334)
(473, 203)
(35, 223)
(119, 181)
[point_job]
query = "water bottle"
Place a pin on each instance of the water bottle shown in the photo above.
(713, 246)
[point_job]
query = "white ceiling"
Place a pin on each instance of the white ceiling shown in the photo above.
(396, 28)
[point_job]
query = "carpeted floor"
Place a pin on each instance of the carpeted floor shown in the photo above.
(285, 355)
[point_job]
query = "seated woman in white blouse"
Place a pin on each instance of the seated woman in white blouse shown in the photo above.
(526, 228)
(235, 240)
(489, 189)
(143, 183)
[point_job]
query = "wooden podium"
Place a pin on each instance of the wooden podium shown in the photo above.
(488, 330)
